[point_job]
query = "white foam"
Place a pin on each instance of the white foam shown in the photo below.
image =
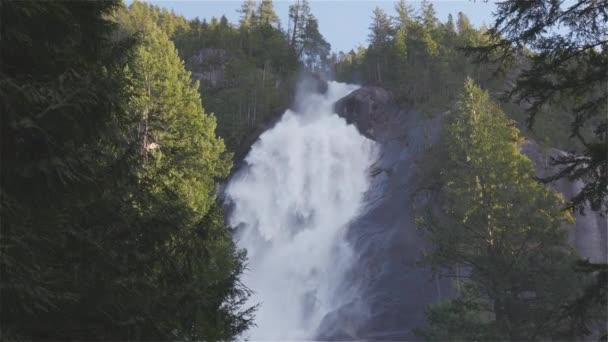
(304, 181)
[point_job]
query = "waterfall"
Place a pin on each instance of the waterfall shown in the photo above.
(303, 182)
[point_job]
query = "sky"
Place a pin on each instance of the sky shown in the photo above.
(343, 23)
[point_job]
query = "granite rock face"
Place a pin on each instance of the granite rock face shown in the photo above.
(589, 235)
(373, 110)
(389, 288)
(392, 290)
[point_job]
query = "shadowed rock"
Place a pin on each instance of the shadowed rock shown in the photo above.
(389, 289)
(371, 109)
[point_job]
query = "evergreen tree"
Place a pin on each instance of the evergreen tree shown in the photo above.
(404, 22)
(110, 229)
(173, 129)
(248, 15)
(501, 231)
(305, 39)
(566, 69)
(315, 49)
(428, 16)
(570, 64)
(267, 15)
(380, 36)
(428, 26)
(466, 32)
(299, 13)
(404, 13)
(381, 28)
(61, 99)
(449, 25)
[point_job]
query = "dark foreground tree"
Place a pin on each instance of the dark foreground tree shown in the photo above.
(109, 227)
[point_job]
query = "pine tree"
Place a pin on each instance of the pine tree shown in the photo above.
(404, 23)
(563, 69)
(466, 33)
(62, 98)
(380, 36)
(174, 129)
(299, 12)
(404, 13)
(428, 21)
(428, 15)
(315, 49)
(449, 25)
(381, 28)
(110, 229)
(180, 158)
(267, 15)
(501, 231)
(248, 15)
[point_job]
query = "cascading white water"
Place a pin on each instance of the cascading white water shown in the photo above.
(304, 181)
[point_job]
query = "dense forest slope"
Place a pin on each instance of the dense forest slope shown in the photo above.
(247, 71)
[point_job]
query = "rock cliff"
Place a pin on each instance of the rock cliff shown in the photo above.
(392, 288)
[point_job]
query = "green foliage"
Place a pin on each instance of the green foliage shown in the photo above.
(110, 229)
(299, 12)
(305, 39)
(563, 67)
(266, 14)
(61, 93)
(501, 231)
(185, 154)
(247, 73)
(424, 63)
(143, 15)
(465, 318)
(248, 16)
(413, 55)
(381, 28)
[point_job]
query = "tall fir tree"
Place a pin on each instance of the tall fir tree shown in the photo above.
(501, 231)
(248, 14)
(110, 230)
(267, 15)
(299, 12)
